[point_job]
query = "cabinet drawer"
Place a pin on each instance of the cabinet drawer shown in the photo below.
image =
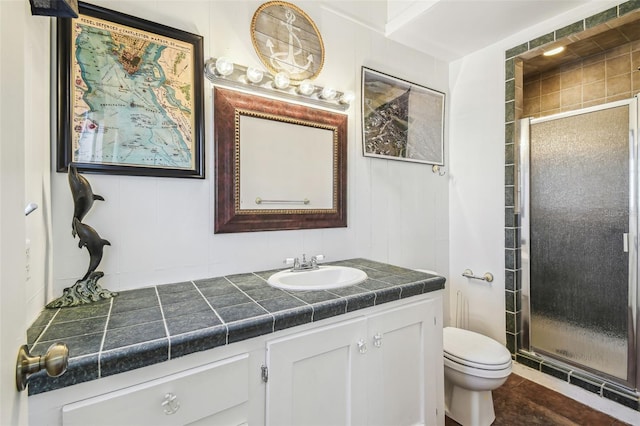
(219, 390)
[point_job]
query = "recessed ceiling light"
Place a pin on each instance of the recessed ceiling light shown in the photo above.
(554, 51)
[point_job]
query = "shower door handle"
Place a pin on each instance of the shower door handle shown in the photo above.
(625, 242)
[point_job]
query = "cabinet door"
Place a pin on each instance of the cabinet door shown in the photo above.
(405, 365)
(217, 393)
(318, 377)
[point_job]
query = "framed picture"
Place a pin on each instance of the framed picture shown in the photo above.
(401, 120)
(286, 39)
(130, 96)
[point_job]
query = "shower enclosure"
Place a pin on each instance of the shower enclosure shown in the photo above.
(579, 239)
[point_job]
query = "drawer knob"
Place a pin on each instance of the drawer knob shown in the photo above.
(377, 340)
(170, 405)
(362, 346)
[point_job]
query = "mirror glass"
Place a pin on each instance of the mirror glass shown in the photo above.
(272, 152)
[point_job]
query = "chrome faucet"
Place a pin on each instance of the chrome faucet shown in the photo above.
(305, 265)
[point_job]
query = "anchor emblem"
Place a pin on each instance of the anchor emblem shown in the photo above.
(286, 60)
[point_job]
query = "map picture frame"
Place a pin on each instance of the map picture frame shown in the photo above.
(401, 120)
(130, 97)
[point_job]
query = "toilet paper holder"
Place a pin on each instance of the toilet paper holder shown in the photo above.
(488, 276)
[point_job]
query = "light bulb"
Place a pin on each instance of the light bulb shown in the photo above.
(555, 51)
(347, 98)
(224, 66)
(328, 93)
(254, 75)
(210, 67)
(306, 87)
(281, 80)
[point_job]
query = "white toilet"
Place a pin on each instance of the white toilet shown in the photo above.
(474, 365)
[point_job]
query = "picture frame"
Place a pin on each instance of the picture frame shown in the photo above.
(401, 120)
(286, 39)
(278, 165)
(129, 96)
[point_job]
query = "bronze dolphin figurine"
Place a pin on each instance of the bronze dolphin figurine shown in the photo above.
(83, 196)
(90, 239)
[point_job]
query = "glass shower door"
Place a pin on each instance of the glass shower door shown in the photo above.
(580, 215)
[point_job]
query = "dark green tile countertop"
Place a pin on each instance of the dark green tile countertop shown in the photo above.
(149, 325)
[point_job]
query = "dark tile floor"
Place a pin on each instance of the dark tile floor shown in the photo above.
(521, 402)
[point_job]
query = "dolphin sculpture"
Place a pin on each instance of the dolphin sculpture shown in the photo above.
(83, 196)
(90, 239)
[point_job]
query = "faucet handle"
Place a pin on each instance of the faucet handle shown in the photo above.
(293, 261)
(315, 259)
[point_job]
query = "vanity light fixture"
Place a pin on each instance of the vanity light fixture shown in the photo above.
(255, 75)
(57, 8)
(222, 71)
(223, 66)
(281, 80)
(306, 87)
(347, 98)
(328, 93)
(554, 51)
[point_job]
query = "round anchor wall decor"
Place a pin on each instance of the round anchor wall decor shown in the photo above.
(286, 39)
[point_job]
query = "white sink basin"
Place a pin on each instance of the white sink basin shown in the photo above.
(326, 277)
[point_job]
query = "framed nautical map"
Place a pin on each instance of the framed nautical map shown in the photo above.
(130, 96)
(401, 120)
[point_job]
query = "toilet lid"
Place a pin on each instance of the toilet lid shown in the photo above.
(474, 349)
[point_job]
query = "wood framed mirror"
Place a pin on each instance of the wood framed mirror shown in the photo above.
(278, 165)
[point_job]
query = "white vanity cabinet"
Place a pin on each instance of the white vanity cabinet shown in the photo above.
(221, 386)
(380, 369)
(381, 365)
(216, 393)
(406, 371)
(318, 377)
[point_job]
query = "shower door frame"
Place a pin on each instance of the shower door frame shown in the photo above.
(523, 202)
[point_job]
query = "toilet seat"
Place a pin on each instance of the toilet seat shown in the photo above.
(466, 362)
(472, 350)
(477, 372)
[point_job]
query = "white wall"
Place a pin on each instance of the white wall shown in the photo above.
(37, 154)
(477, 190)
(161, 229)
(24, 130)
(476, 196)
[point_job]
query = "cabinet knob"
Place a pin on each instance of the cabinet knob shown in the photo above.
(377, 340)
(362, 346)
(170, 405)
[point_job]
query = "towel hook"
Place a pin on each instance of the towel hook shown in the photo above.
(436, 169)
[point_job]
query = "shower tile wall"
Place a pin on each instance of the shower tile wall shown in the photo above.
(594, 80)
(598, 79)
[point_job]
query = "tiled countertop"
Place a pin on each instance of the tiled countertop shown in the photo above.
(149, 325)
